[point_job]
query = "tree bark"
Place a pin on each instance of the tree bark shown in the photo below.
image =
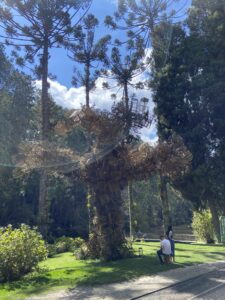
(167, 220)
(130, 202)
(42, 204)
(89, 193)
(107, 238)
(215, 219)
(89, 196)
(126, 98)
(44, 92)
(87, 83)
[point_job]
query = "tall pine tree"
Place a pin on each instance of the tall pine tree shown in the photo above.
(41, 25)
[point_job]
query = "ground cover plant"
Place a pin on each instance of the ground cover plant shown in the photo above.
(63, 271)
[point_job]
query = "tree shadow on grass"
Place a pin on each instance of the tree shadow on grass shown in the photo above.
(96, 273)
(124, 270)
(212, 255)
(181, 250)
(40, 279)
(29, 285)
(208, 245)
(185, 256)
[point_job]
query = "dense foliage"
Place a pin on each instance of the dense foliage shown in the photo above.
(203, 227)
(73, 165)
(147, 207)
(189, 97)
(20, 251)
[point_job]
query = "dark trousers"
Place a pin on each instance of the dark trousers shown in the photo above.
(160, 255)
(172, 249)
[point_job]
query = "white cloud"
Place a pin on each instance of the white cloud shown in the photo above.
(74, 98)
(148, 134)
(67, 98)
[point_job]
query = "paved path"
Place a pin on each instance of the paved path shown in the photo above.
(208, 286)
(135, 288)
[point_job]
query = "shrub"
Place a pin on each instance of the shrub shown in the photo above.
(20, 251)
(87, 250)
(78, 242)
(82, 252)
(51, 250)
(202, 226)
(61, 247)
(65, 244)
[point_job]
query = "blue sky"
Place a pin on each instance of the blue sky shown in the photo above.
(60, 65)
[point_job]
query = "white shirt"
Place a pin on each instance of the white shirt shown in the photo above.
(165, 246)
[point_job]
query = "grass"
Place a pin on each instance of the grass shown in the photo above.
(63, 271)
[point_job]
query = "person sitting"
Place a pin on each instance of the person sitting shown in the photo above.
(165, 248)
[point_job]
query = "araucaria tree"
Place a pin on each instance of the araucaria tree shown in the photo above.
(124, 71)
(110, 162)
(38, 26)
(87, 52)
(140, 19)
(107, 168)
(113, 162)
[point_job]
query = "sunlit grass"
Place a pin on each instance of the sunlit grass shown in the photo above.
(63, 271)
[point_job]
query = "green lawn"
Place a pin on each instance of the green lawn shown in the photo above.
(63, 271)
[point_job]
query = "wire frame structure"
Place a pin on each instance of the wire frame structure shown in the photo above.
(140, 112)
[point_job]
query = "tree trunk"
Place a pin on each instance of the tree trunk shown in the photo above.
(128, 115)
(130, 202)
(42, 204)
(87, 83)
(165, 202)
(107, 240)
(89, 196)
(44, 93)
(126, 98)
(89, 193)
(215, 219)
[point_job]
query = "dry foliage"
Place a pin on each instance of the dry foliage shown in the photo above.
(110, 158)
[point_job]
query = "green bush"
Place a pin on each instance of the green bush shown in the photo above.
(202, 226)
(83, 252)
(77, 243)
(51, 250)
(65, 244)
(61, 247)
(20, 251)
